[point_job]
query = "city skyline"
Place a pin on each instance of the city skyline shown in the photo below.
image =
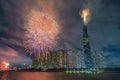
(103, 28)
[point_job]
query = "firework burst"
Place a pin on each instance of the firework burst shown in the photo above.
(41, 31)
(4, 64)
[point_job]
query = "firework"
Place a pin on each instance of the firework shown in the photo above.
(41, 31)
(4, 64)
(85, 15)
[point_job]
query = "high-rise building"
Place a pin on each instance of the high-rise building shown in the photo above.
(86, 49)
(98, 59)
(71, 58)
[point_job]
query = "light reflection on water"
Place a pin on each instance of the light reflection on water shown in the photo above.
(55, 76)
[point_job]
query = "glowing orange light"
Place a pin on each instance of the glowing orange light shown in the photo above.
(85, 15)
(4, 65)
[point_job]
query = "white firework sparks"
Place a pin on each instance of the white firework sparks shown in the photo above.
(41, 31)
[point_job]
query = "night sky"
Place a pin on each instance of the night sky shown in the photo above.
(103, 27)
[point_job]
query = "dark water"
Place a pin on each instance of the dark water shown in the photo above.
(56, 76)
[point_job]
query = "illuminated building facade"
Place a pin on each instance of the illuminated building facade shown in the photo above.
(59, 59)
(86, 49)
(98, 59)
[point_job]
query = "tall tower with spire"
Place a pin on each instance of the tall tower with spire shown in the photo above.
(86, 46)
(86, 49)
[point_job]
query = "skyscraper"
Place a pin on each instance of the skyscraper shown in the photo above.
(86, 49)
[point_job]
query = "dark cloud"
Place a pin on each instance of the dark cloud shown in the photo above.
(112, 48)
(12, 32)
(112, 55)
(8, 52)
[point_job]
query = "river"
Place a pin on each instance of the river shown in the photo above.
(56, 76)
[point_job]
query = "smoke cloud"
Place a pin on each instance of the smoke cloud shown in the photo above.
(8, 52)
